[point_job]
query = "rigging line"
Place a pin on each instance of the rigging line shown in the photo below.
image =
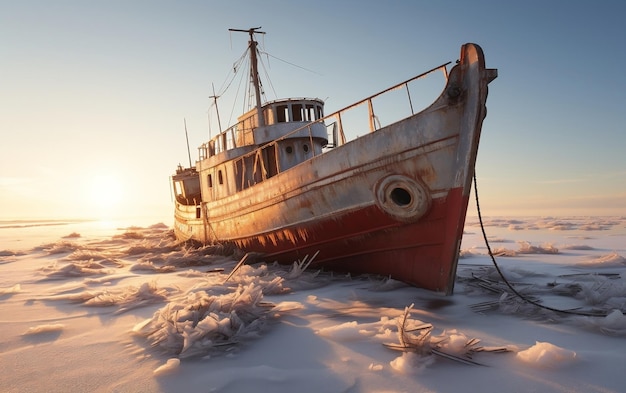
(243, 87)
(251, 95)
(235, 99)
(247, 99)
(291, 64)
(508, 284)
(236, 68)
(267, 76)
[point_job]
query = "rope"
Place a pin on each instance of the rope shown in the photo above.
(291, 64)
(236, 67)
(267, 76)
(519, 295)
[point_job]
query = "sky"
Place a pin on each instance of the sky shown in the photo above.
(94, 94)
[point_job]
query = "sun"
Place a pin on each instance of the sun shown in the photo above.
(106, 193)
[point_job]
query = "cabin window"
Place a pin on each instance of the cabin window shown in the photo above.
(281, 113)
(178, 188)
(209, 180)
(310, 113)
(320, 112)
(297, 112)
(220, 178)
(289, 149)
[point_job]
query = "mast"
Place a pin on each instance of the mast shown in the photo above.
(187, 137)
(254, 71)
(219, 124)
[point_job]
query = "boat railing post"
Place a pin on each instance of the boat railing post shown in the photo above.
(343, 137)
(243, 173)
(408, 93)
(276, 161)
(311, 138)
(232, 136)
(332, 135)
(260, 157)
(370, 110)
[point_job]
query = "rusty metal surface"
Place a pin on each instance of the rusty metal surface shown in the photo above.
(394, 176)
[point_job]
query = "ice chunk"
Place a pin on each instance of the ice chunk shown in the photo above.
(169, 366)
(546, 355)
(56, 327)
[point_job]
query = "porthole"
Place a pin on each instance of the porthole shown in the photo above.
(305, 148)
(289, 149)
(402, 198)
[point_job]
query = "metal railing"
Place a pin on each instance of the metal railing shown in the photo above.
(226, 140)
(372, 118)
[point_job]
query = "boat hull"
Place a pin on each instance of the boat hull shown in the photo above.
(411, 252)
(392, 202)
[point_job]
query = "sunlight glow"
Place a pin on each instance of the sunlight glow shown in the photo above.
(106, 193)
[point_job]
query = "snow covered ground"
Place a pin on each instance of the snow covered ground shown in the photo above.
(95, 308)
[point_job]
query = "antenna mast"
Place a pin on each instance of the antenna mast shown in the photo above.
(187, 137)
(219, 124)
(254, 70)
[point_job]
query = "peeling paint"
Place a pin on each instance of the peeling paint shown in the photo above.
(391, 202)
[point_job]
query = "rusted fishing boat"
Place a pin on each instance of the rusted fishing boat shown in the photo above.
(283, 181)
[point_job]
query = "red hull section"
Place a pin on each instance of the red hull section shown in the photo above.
(378, 244)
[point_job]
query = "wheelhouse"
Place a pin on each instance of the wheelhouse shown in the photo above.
(248, 153)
